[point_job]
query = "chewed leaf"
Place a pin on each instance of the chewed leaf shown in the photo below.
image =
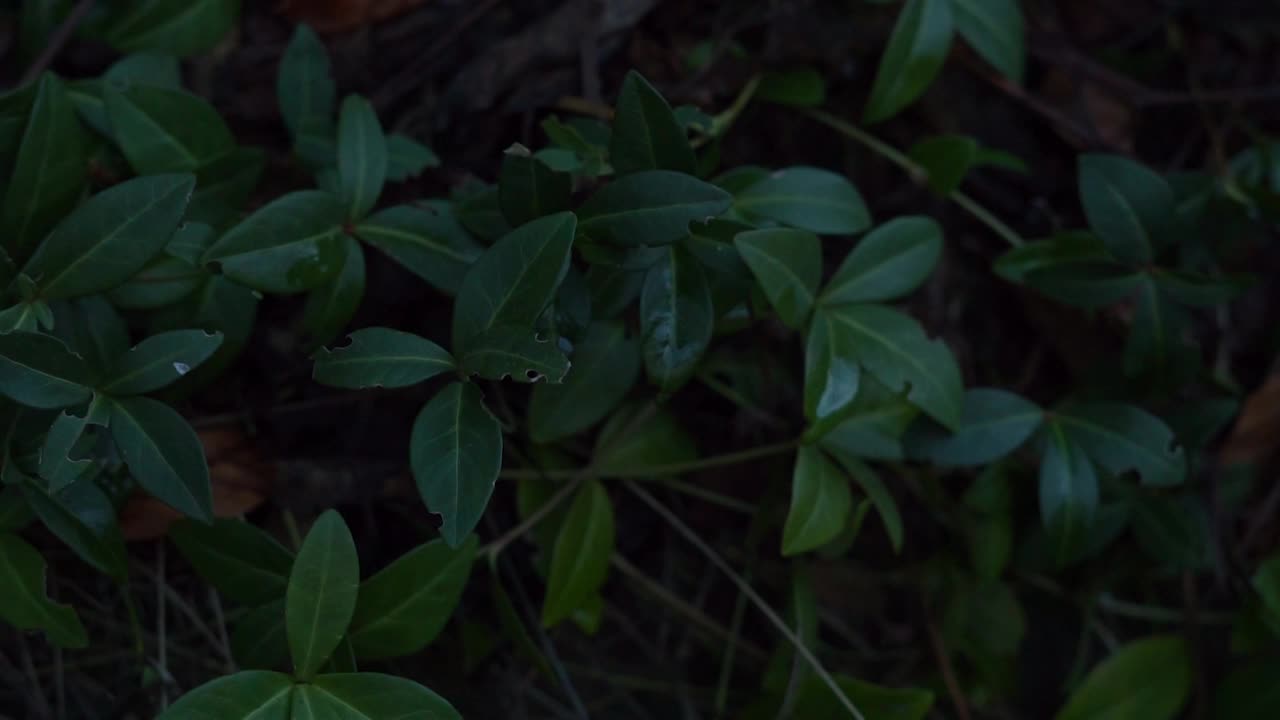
(381, 357)
(512, 351)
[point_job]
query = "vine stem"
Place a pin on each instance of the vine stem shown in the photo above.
(680, 468)
(745, 588)
(917, 173)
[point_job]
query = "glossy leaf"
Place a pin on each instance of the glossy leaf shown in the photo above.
(583, 549)
(368, 696)
(381, 357)
(163, 454)
(605, 365)
(404, 607)
(50, 168)
(177, 27)
(39, 371)
(291, 244)
(820, 502)
(649, 208)
(304, 89)
(22, 580)
(515, 280)
(455, 451)
(528, 189)
(893, 347)
(676, 319)
(917, 49)
(429, 243)
(996, 30)
(321, 595)
(788, 266)
(246, 695)
(1068, 492)
(407, 158)
(871, 427)
(111, 237)
(993, 423)
(362, 156)
(1129, 207)
(890, 262)
(807, 198)
(515, 352)
(1148, 678)
(244, 563)
(218, 305)
(163, 130)
(160, 360)
(831, 373)
(946, 159)
(1122, 438)
(331, 306)
(646, 135)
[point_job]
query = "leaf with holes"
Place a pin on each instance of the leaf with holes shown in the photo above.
(1122, 438)
(22, 580)
(39, 371)
(515, 352)
(677, 319)
(650, 208)
(381, 357)
(605, 366)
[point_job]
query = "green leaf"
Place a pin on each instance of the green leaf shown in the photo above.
(1128, 206)
(820, 503)
(429, 243)
(321, 595)
(332, 305)
(946, 159)
(515, 280)
(176, 27)
(368, 696)
(404, 607)
(807, 198)
(455, 451)
(634, 438)
(1122, 438)
(677, 319)
(163, 130)
(83, 517)
(218, 305)
(1155, 337)
(162, 281)
(111, 237)
(917, 49)
(246, 695)
(163, 454)
(160, 360)
(480, 212)
(289, 245)
(797, 88)
(223, 187)
(146, 68)
(1199, 290)
(993, 423)
(381, 357)
(649, 208)
(407, 158)
(304, 89)
(1249, 692)
(1088, 285)
(22, 580)
(528, 189)
(516, 352)
(1068, 492)
(894, 348)
(870, 427)
(815, 700)
(1063, 250)
(244, 563)
(259, 641)
(39, 371)
(788, 265)
(995, 29)
(50, 168)
(362, 156)
(580, 559)
(1148, 678)
(646, 135)
(15, 513)
(890, 262)
(605, 366)
(63, 456)
(874, 487)
(831, 375)
(1174, 530)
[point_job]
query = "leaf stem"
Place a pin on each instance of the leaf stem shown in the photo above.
(733, 458)
(918, 174)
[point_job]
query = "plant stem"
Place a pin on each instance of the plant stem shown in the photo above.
(918, 174)
(534, 518)
(707, 463)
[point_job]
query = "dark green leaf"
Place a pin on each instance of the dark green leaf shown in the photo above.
(820, 502)
(146, 68)
(788, 265)
(456, 451)
(83, 517)
(1148, 678)
(995, 29)
(807, 198)
(362, 156)
(304, 89)
(160, 360)
(984, 620)
(613, 289)
(91, 328)
(1064, 249)
(650, 208)
(22, 580)
(1156, 334)
(515, 280)
(993, 423)
(635, 438)
(39, 371)
(1175, 531)
(223, 188)
(1068, 492)
(580, 559)
(381, 357)
(889, 262)
(163, 130)
(15, 513)
(831, 375)
(321, 595)
(605, 365)
(407, 158)
(258, 641)
(1199, 290)
(332, 305)
(480, 212)
(111, 237)
(163, 454)
(917, 49)
(871, 426)
(427, 242)
(874, 487)
(1249, 692)
(528, 189)
(646, 135)
(516, 352)
(676, 319)
(244, 563)
(247, 695)
(1129, 207)
(357, 696)
(291, 244)
(63, 456)
(1122, 438)
(798, 88)
(946, 158)
(1088, 285)
(177, 27)
(163, 281)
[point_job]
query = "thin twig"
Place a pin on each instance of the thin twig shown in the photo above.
(948, 671)
(680, 468)
(56, 41)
